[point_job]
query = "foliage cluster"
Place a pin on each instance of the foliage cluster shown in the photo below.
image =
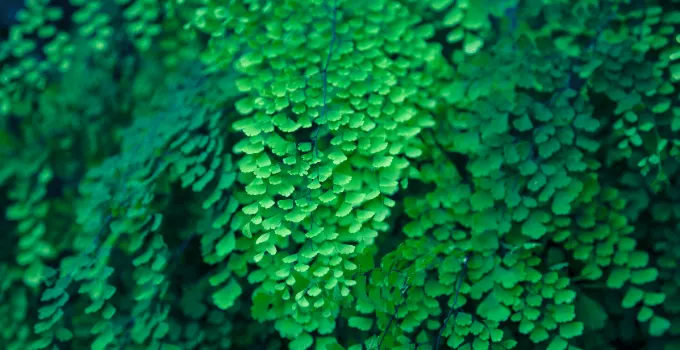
(340, 174)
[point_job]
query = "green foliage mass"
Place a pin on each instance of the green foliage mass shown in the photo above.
(340, 174)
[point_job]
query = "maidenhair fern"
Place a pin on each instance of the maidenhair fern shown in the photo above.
(339, 174)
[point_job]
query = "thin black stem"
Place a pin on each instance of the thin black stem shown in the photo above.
(404, 289)
(453, 310)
